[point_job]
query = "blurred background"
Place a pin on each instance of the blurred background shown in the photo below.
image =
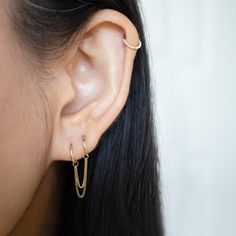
(192, 45)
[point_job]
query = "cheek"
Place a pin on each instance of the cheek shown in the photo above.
(22, 132)
(22, 142)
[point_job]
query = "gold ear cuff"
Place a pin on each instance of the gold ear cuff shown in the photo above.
(132, 47)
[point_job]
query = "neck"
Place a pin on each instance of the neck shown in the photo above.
(39, 218)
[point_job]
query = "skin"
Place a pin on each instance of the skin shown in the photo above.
(85, 98)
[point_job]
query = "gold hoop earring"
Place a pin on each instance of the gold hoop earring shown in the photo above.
(75, 164)
(132, 47)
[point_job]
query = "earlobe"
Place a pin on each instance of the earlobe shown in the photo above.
(100, 75)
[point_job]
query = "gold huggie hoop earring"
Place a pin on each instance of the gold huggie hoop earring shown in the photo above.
(75, 164)
(132, 47)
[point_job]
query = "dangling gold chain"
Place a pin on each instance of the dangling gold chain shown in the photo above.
(75, 164)
(78, 186)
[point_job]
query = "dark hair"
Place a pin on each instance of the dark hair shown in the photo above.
(123, 193)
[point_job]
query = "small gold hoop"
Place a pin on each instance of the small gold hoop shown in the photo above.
(86, 155)
(71, 153)
(132, 47)
(74, 163)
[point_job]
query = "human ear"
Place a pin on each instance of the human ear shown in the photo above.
(94, 87)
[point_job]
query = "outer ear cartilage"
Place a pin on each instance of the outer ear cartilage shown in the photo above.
(132, 47)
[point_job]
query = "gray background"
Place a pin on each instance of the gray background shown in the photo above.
(193, 64)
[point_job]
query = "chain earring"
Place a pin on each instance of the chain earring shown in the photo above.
(75, 164)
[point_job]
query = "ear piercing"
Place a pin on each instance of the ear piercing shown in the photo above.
(75, 163)
(132, 47)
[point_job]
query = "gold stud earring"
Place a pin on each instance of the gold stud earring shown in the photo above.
(132, 47)
(75, 163)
